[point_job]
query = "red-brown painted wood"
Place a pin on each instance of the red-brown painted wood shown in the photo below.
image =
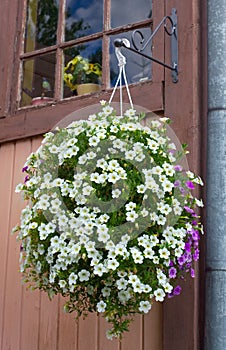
(183, 104)
(13, 288)
(31, 303)
(6, 159)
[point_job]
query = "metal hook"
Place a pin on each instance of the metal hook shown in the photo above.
(118, 44)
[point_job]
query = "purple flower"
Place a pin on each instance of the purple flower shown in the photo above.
(178, 167)
(182, 190)
(190, 185)
(187, 256)
(171, 263)
(196, 254)
(177, 183)
(195, 235)
(24, 169)
(188, 210)
(177, 290)
(192, 271)
(26, 178)
(172, 272)
(170, 295)
(181, 260)
(187, 247)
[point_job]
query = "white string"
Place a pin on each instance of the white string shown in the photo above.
(121, 64)
(127, 87)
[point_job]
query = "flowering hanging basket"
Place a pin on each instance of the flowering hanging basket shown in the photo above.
(111, 221)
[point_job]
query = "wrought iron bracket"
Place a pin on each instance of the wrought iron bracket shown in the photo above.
(172, 32)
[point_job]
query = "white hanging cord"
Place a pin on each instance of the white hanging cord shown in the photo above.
(121, 64)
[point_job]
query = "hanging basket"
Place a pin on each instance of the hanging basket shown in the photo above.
(111, 222)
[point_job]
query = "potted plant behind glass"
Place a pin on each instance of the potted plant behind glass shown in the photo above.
(46, 88)
(82, 76)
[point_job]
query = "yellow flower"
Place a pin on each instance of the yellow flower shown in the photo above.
(80, 70)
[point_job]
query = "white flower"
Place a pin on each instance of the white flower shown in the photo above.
(121, 283)
(72, 279)
(141, 189)
(130, 155)
(108, 110)
(102, 232)
(199, 202)
(177, 210)
(131, 216)
(147, 288)
(112, 264)
(149, 253)
(19, 188)
(101, 163)
(159, 294)
(138, 287)
(99, 269)
(130, 112)
(93, 141)
(62, 283)
(145, 306)
(190, 174)
(161, 220)
(91, 155)
(84, 275)
(167, 186)
(101, 306)
(153, 145)
(113, 177)
(106, 291)
(198, 181)
(168, 288)
(130, 206)
(120, 249)
(133, 278)
(124, 296)
(116, 193)
(164, 253)
(104, 218)
(33, 225)
(114, 129)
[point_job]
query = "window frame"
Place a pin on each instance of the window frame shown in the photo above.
(29, 121)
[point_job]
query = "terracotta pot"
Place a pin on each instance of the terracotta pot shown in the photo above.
(40, 100)
(88, 88)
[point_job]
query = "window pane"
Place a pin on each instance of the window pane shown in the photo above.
(38, 80)
(137, 68)
(129, 11)
(41, 26)
(83, 17)
(82, 65)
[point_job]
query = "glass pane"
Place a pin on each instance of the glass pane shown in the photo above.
(41, 26)
(83, 64)
(137, 68)
(38, 80)
(83, 17)
(129, 11)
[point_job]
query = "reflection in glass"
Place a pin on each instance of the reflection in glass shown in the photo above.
(83, 64)
(83, 17)
(38, 80)
(138, 68)
(41, 25)
(129, 11)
